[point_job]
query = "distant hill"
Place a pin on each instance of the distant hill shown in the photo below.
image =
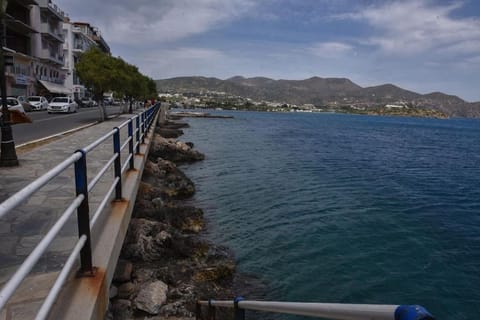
(321, 92)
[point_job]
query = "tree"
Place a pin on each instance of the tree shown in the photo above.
(97, 71)
(103, 73)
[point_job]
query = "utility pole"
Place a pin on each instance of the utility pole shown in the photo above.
(8, 155)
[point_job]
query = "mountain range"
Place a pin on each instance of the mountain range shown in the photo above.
(322, 92)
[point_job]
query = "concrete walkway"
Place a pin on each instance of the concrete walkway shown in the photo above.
(23, 228)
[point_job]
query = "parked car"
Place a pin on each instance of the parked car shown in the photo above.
(107, 100)
(88, 102)
(27, 106)
(13, 104)
(38, 102)
(62, 104)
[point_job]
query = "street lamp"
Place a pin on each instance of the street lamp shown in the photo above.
(8, 155)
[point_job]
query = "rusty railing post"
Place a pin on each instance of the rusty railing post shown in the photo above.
(83, 214)
(117, 163)
(130, 145)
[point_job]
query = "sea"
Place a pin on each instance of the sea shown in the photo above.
(342, 208)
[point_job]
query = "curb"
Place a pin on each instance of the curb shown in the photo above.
(54, 136)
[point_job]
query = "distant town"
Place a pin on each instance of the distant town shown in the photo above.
(315, 94)
(224, 101)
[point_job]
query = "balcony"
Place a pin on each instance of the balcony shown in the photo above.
(19, 26)
(27, 2)
(51, 79)
(52, 56)
(51, 9)
(50, 33)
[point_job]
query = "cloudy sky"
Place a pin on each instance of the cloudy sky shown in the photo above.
(420, 45)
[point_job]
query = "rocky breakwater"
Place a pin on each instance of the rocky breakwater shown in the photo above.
(165, 264)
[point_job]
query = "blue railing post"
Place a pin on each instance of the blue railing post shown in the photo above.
(239, 313)
(211, 311)
(117, 163)
(137, 138)
(412, 312)
(147, 123)
(130, 144)
(198, 311)
(143, 127)
(83, 215)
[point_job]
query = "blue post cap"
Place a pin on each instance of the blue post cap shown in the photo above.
(412, 312)
(236, 300)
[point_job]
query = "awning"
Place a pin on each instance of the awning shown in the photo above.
(54, 87)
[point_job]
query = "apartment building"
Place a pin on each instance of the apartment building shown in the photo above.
(45, 45)
(19, 30)
(79, 37)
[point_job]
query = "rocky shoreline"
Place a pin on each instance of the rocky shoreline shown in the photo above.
(165, 264)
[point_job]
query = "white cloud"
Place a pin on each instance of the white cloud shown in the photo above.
(330, 49)
(415, 26)
(147, 21)
(164, 63)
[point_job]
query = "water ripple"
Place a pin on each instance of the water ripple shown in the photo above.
(347, 209)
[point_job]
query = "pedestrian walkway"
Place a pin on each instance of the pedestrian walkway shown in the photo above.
(23, 228)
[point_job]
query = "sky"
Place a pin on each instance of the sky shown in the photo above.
(419, 45)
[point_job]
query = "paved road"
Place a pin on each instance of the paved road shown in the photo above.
(45, 124)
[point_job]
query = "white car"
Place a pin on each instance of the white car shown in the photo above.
(62, 104)
(38, 102)
(13, 104)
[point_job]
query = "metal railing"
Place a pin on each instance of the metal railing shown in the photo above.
(319, 310)
(138, 127)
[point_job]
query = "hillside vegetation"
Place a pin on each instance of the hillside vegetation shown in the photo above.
(323, 92)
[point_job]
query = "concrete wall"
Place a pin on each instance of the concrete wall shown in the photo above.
(87, 297)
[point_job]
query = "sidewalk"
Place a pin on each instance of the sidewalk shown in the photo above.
(23, 228)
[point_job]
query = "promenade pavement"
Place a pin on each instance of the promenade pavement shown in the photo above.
(23, 228)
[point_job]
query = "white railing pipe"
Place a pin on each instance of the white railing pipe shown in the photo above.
(339, 311)
(62, 277)
(19, 197)
(36, 254)
(326, 310)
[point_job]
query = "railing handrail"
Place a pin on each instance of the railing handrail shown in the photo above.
(20, 196)
(339, 311)
(79, 203)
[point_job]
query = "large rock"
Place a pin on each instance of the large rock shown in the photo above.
(123, 271)
(146, 240)
(187, 219)
(176, 309)
(126, 290)
(169, 133)
(163, 179)
(152, 297)
(144, 274)
(122, 309)
(175, 125)
(175, 151)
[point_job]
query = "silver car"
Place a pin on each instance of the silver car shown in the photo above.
(62, 104)
(13, 104)
(38, 102)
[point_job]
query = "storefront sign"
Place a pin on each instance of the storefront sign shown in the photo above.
(21, 79)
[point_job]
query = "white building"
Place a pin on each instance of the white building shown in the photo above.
(47, 48)
(19, 28)
(44, 46)
(78, 39)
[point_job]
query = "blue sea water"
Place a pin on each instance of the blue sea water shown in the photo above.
(344, 208)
